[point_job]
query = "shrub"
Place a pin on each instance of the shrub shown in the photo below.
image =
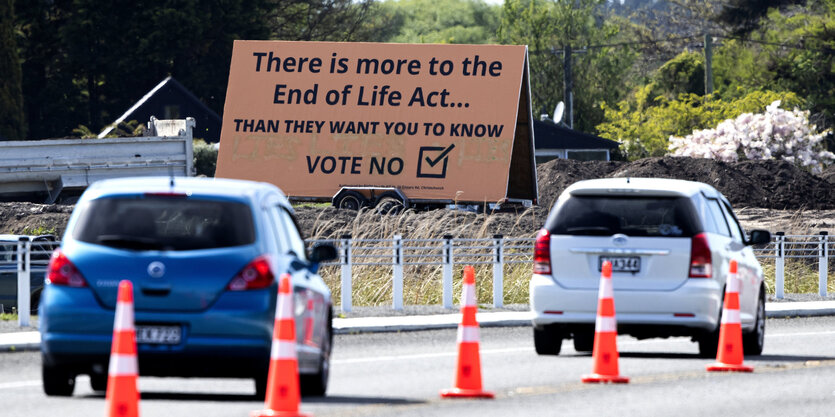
(205, 158)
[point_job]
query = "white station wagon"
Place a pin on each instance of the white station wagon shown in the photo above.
(670, 243)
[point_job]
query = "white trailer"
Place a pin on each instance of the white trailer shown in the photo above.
(44, 169)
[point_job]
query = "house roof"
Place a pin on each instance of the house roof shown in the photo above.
(548, 135)
(167, 82)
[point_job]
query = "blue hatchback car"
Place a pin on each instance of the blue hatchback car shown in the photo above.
(204, 256)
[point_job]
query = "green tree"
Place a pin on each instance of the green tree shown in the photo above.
(319, 20)
(87, 61)
(600, 74)
(444, 21)
(746, 15)
(793, 50)
(683, 74)
(12, 123)
(645, 123)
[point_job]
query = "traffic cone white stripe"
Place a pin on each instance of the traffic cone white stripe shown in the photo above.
(285, 307)
(124, 317)
(283, 350)
(606, 290)
(605, 324)
(123, 365)
(469, 295)
(732, 284)
(468, 334)
(731, 317)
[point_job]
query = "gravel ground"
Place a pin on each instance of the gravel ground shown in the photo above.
(8, 326)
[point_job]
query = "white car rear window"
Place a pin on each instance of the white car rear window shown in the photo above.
(633, 216)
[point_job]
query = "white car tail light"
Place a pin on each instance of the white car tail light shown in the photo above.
(700, 258)
(542, 253)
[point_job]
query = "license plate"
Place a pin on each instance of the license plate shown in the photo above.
(621, 263)
(160, 335)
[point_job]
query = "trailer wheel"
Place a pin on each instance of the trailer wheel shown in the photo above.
(350, 200)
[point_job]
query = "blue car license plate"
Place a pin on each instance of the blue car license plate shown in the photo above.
(159, 335)
(621, 263)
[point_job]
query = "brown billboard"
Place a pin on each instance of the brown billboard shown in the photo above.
(435, 121)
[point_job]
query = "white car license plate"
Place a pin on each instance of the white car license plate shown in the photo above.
(621, 263)
(165, 335)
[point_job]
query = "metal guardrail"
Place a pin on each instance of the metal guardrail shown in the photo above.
(21, 257)
(446, 252)
(500, 251)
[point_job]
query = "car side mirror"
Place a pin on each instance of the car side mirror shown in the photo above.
(322, 252)
(759, 237)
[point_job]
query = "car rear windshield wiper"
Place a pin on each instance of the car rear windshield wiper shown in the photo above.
(130, 242)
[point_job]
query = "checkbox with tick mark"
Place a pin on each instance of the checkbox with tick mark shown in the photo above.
(432, 161)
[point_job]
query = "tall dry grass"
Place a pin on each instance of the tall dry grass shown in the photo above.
(422, 284)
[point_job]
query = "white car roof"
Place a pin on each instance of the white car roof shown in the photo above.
(641, 186)
(188, 185)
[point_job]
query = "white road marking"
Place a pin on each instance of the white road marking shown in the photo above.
(19, 384)
(37, 383)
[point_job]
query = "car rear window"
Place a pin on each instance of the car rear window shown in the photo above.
(632, 216)
(165, 223)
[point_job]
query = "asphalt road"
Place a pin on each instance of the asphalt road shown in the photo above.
(401, 373)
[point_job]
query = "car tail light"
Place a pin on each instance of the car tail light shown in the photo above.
(62, 272)
(255, 275)
(700, 259)
(542, 253)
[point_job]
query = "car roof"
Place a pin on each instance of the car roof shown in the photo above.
(642, 186)
(222, 187)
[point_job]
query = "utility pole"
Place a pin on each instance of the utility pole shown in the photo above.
(708, 64)
(568, 83)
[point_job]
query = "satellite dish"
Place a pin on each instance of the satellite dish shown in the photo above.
(558, 112)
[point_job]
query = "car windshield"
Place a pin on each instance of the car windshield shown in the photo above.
(165, 223)
(633, 216)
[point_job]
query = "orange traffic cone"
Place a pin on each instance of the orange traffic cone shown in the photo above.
(605, 334)
(729, 354)
(468, 378)
(283, 394)
(122, 395)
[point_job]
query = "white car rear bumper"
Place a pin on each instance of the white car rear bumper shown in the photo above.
(696, 304)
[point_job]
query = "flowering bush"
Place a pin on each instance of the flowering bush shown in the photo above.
(775, 134)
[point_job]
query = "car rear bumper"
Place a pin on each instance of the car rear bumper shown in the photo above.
(226, 340)
(692, 308)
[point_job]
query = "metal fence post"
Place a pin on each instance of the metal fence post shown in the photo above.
(397, 274)
(346, 273)
(498, 271)
(780, 265)
(447, 279)
(823, 263)
(24, 266)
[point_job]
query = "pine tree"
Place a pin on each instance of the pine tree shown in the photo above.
(12, 123)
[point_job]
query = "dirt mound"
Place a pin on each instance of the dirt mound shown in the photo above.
(765, 184)
(29, 218)
(556, 175)
(829, 174)
(779, 197)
